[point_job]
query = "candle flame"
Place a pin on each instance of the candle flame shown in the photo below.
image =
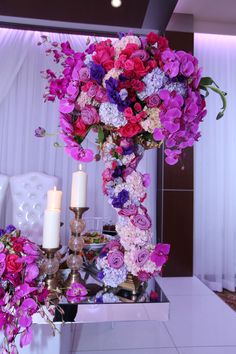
(80, 167)
(54, 188)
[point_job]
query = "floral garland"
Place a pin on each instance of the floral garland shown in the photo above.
(137, 93)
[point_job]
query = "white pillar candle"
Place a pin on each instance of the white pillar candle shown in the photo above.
(54, 198)
(79, 189)
(51, 224)
(51, 228)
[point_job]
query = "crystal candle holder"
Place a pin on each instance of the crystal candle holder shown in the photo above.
(50, 267)
(76, 243)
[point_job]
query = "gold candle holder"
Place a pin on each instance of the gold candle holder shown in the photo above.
(76, 244)
(50, 267)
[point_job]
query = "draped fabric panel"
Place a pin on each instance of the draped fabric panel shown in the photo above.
(22, 110)
(215, 168)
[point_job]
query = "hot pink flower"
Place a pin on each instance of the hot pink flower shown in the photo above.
(25, 312)
(31, 272)
(160, 254)
(26, 337)
(76, 293)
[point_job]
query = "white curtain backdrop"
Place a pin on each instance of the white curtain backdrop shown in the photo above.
(22, 110)
(215, 169)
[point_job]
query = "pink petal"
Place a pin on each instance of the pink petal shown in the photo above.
(26, 337)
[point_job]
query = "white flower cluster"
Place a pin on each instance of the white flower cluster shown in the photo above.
(153, 120)
(154, 81)
(112, 277)
(132, 236)
(114, 73)
(83, 99)
(111, 116)
(120, 44)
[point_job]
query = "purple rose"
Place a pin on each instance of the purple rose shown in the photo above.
(141, 54)
(115, 259)
(84, 74)
(101, 95)
(153, 100)
(141, 257)
(89, 115)
(131, 210)
(144, 276)
(143, 222)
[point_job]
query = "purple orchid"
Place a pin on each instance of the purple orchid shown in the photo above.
(25, 312)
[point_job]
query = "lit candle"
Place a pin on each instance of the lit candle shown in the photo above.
(51, 225)
(79, 189)
(54, 199)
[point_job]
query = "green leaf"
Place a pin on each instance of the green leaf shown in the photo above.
(206, 81)
(100, 135)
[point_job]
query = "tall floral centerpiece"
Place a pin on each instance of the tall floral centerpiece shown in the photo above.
(136, 93)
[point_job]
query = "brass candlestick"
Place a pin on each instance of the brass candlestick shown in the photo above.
(50, 267)
(76, 244)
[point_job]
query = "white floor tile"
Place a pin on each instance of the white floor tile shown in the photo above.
(201, 321)
(121, 335)
(183, 286)
(208, 350)
(134, 351)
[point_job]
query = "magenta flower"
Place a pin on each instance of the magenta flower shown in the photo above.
(31, 249)
(115, 259)
(76, 293)
(2, 263)
(10, 331)
(144, 276)
(160, 254)
(25, 312)
(66, 106)
(3, 319)
(22, 291)
(31, 272)
(143, 222)
(26, 337)
(146, 180)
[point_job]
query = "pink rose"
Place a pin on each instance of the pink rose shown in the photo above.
(129, 64)
(89, 115)
(101, 95)
(84, 74)
(143, 222)
(153, 100)
(92, 90)
(141, 53)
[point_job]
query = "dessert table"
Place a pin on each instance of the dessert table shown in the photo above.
(89, 312)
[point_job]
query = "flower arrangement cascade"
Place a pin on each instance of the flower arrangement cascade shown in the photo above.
(136, 93)
(21, 293)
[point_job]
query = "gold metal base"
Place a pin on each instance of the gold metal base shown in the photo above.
(131, 284)
(78, 212)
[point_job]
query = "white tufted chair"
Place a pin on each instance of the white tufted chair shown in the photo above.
(29, 196)
(3, 188)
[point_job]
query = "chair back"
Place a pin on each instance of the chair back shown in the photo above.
(29, 197)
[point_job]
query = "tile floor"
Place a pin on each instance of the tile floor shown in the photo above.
(200, 323)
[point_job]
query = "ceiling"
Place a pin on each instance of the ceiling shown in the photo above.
(138, 16)
(208, 10)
